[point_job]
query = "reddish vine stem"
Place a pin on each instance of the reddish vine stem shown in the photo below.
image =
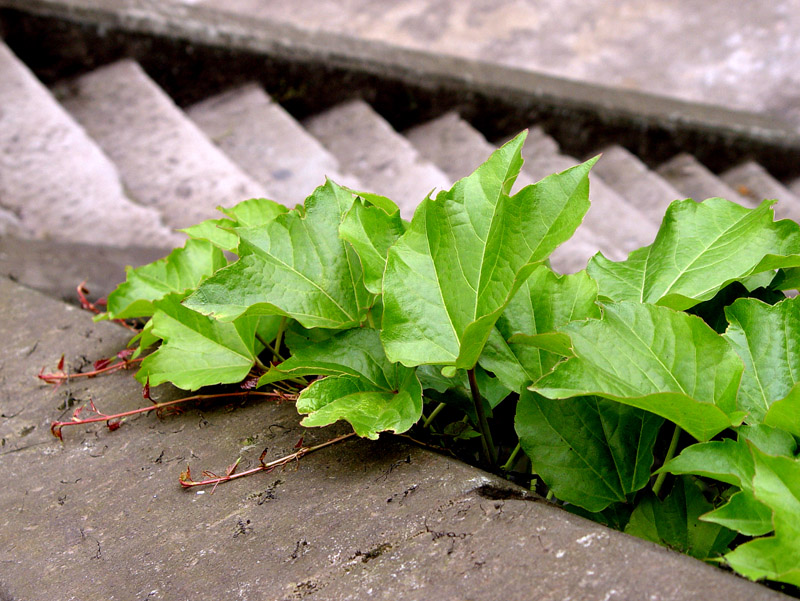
(60, 376)
(93, 307)
(230, 474)
(115, 421)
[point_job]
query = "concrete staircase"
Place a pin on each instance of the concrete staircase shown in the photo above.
(108, 161)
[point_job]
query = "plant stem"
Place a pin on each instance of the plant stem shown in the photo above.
(432, 416)
(52, 378)
(489, 452)
(370, 320)
(510, 463)
(279, 337)
(673, 444)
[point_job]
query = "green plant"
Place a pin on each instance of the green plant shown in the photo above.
(684, 356)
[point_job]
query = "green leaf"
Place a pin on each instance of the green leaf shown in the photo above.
(525, 345)
(767, 339)
(180, 271)
(198, 350)
(743, 514)
(296, 265)
(217, 231)
(776, 484)
(669, 363)
(726, 460)
(675, 522)
(772, 441)
(450, 276)
(357, 401)
(590, 451)
(371, 231)
(249, 213)
(785, 413)
(700, 248)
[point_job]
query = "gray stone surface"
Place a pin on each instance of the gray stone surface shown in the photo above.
(101, 516)
(165, 161)
(267, 143)
(754, 182)
(693, 180)
(619, 225)
(57, 267)
(53, 178)
(385, 162)
(634, 181)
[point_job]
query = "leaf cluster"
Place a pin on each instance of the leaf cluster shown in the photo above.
(684, 357)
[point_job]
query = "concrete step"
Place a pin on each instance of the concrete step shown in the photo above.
(635, 182)
(458, 148)
(754, 182)
(693, 180)
(619, 225)
(369, 148)
(54, 180)
(165, 161)
(268, 143)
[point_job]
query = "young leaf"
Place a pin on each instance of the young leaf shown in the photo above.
(217, 231)
(767, 339)
(371, 231)
(590, 451)
(200, 351)
(776, 484)
(700, 248)
(544, 302)
(296, 265)
(450, 276)
(248, 213)
(743, 514)
(674, 522)
(180, 271)
(669, 363)
(368, 409)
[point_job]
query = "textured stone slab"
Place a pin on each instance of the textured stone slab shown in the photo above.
(101, 515)
(385, 162)
(693, 180)
(754, 182)
(267, 143)
(54, 181)
(619, 225)
(635, 182)
(165, 161)
(56, 267)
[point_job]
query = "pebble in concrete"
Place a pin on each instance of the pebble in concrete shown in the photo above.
(753, 181)
(634, 181)
(267, 143)
(101, 515)
(54, 180)
(384, 161)
(693, 180)
(165, 161)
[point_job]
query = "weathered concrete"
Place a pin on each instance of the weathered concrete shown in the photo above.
(165, 161)
(754, 182)
(267, 143)
(101, 516)
(693, 180)
(632, 179)
(57, 267)
(381, 158)
(53, 178)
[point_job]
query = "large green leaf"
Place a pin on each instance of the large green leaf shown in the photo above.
(368, 409)
(742, 513)
(767, 339)
(371, 231)
(180, 271)
(200, 351)
(544, 302)
(785, 413)
(450, 276)
(296, 265)
(590, 451)
(663, 361)
(726, 460)
(700, 248)
(675, 522)
(776, 484)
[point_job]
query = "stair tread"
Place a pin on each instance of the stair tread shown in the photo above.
(753, 181)
(164, 159)
(55, 182)
(694, 180)
(267, 143)
(369, 148)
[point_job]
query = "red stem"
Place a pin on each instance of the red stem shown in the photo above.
(52, 378)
